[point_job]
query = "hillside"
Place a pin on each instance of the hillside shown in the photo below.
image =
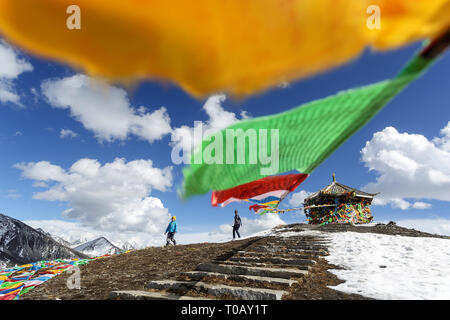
(158, 267)
(20, 244)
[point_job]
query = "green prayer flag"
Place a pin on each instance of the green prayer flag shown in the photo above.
(23, 291)
(308, 134)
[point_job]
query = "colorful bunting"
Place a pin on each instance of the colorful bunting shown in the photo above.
(17, 281)
(266, 193)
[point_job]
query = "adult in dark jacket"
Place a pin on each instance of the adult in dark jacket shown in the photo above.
(237, 224)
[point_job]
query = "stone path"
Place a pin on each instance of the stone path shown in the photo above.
(264, 270)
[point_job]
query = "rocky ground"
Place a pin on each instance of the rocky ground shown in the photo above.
(160, 270)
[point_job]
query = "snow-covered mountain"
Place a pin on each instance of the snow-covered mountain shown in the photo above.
(98, 247)
(62, 241)
(76, 241)
(126, 245)
(5, 260)
(56, 238)
(20, 243)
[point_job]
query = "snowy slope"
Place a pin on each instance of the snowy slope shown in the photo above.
(125, 245)
(62, 241)
(391, 267)
(56, 238)
(98, 247)
(20, 243)
(5, 260)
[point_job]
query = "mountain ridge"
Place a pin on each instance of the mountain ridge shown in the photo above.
(98, 246)
(21, 244)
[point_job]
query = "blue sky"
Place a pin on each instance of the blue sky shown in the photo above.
(30, 132)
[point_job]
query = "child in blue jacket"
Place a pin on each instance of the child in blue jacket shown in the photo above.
(171, 230)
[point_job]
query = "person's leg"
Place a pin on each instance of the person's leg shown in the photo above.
(168, 239)
(237, 231)
(234, 232)
(173, 239)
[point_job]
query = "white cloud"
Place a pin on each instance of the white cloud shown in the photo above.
(421, 205)
(400, 203)
(7, 93)
(41, 171)
(251, 226)
(267, 221)
(40, 184)
(105, 109)
(11, 66)
(444, 141)
(298, 198)
(64, 133)
(110, 197)
(13, 194)
(409, 166)
(218, 119)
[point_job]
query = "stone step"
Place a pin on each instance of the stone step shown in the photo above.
(301, 243)
(306, 247)
(275, 255)
(149, 295)
(298, 235)
(218, 290)
(298, 246)
(309, 241)
(272, 260)
(230, 268)
(266, 265)
(320, 252)
(204, 275)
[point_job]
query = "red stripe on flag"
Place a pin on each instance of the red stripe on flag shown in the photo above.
(257, 207)
(257, 187)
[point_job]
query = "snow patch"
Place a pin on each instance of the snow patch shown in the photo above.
(391, 267)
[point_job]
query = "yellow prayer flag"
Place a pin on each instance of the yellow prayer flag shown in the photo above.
(236, 46)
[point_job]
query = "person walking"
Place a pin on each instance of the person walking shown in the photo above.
(237, 224)
(171, 230)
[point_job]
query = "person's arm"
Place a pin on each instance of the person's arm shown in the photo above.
(167, 229)
(176, 228)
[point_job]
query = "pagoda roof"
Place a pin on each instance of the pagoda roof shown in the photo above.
(339, 189)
